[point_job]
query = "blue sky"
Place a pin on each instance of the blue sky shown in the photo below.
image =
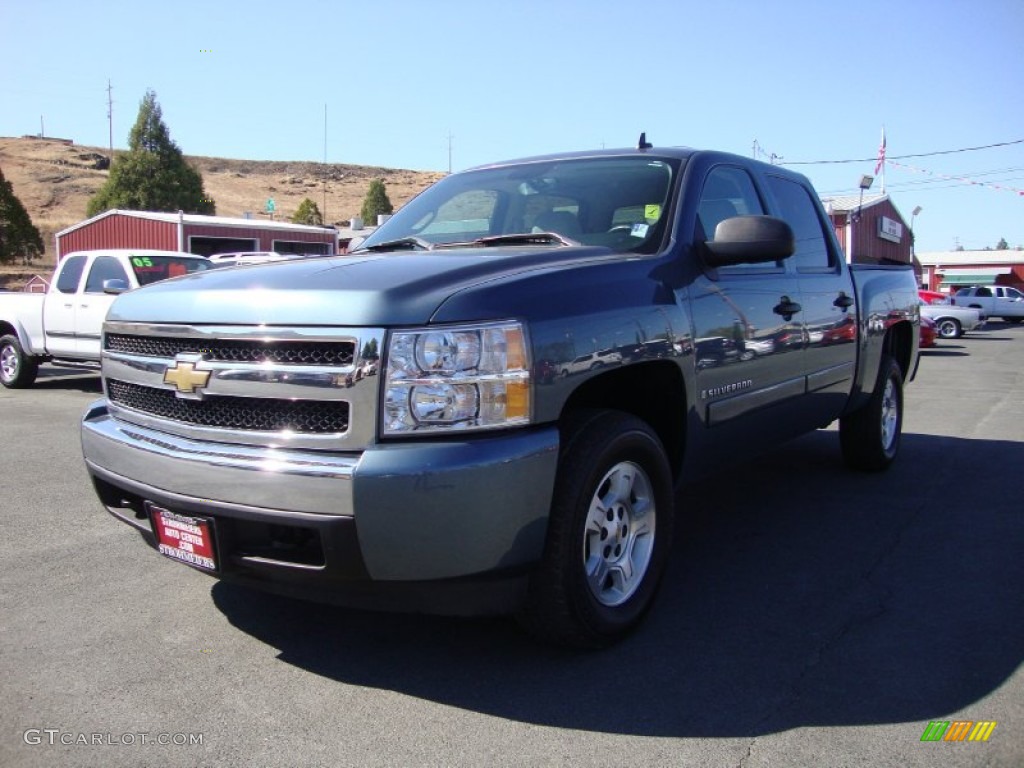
(807, 80)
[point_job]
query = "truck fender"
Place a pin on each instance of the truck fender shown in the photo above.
(16, 327)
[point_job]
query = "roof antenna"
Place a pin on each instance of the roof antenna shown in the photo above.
(643, 143)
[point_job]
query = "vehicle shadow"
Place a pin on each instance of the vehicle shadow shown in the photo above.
(851, 599)
(944, 352)
(81, 379)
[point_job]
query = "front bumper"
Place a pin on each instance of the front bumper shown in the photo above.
(447, 526)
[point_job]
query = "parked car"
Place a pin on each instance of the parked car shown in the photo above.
(953, 322)
(993, 300)
(64, 323)
(929, 330)
(934, 297)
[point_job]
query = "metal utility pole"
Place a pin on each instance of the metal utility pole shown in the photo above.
(110, 118)
(323, 213)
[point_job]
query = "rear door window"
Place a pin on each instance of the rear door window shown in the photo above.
(71, 274)
(799, 210)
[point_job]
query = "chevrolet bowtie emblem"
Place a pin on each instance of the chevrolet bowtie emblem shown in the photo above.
(185, 377)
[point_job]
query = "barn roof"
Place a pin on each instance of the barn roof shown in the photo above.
(199, 219)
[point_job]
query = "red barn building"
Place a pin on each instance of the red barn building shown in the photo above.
(193, 233)
(870, 231)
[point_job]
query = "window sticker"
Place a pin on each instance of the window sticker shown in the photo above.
(639, 230)
(652, 213)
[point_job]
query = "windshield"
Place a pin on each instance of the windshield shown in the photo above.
(150, 269)
(618, 202)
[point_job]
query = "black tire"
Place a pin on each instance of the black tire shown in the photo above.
(870, 436)
(948, 328)
(613, 490)
(17, 370)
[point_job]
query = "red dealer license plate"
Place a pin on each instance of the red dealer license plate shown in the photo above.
(184, 537)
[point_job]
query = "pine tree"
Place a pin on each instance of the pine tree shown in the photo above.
(18, 235)
(1002, 245)
(375, 202)
(153, 174)
(308, 213)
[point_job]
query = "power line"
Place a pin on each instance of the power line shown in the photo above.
(903, 157)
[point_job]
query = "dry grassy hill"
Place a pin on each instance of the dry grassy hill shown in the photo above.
(54, 181)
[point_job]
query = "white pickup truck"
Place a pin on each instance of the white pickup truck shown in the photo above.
(993, 301)
(64, 324)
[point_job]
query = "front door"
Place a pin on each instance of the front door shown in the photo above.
(94, 303)
(748, 325)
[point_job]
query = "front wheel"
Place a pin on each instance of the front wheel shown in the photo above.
(870, 436)
(609, 532)
(17, 370)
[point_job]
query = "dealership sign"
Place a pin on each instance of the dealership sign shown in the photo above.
(889, 229)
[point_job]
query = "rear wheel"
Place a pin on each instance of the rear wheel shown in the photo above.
(948, 328)
(870, 437)
(608, 535)
(17, 370)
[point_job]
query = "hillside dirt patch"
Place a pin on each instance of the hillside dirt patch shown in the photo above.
(55, 180)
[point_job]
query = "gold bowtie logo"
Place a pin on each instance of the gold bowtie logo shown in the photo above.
(185, 377)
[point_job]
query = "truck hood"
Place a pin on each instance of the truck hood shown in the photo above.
(373, 290)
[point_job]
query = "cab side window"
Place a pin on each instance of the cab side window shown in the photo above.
(104, 268)
(798, 209)
(983, 293)
(71, 274)
(727, 192)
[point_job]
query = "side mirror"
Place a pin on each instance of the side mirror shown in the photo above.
(750, 240)
(115, 286)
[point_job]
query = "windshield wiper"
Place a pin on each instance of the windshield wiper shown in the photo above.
(402, 243)
(526, 238)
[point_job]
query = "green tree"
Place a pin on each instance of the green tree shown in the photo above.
(308, 213)
(375, 202)
(1002, 245)
(153, 174)
(18, 235)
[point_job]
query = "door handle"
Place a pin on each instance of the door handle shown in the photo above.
(843, 302)
(786, 307)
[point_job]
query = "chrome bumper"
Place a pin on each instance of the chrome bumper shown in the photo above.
(416, 511)
(300, 481)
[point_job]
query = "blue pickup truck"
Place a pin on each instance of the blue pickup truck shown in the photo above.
(493, 403)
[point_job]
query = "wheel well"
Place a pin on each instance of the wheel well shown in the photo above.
(899, 344)
(653, 391)
(7, 329)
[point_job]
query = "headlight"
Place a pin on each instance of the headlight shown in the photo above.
(457, 378)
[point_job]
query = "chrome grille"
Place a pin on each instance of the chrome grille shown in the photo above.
(323, 353)
(311, 417)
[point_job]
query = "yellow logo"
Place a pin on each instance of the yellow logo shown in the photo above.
(185, 377)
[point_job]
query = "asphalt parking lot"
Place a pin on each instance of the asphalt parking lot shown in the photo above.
(811, 616)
